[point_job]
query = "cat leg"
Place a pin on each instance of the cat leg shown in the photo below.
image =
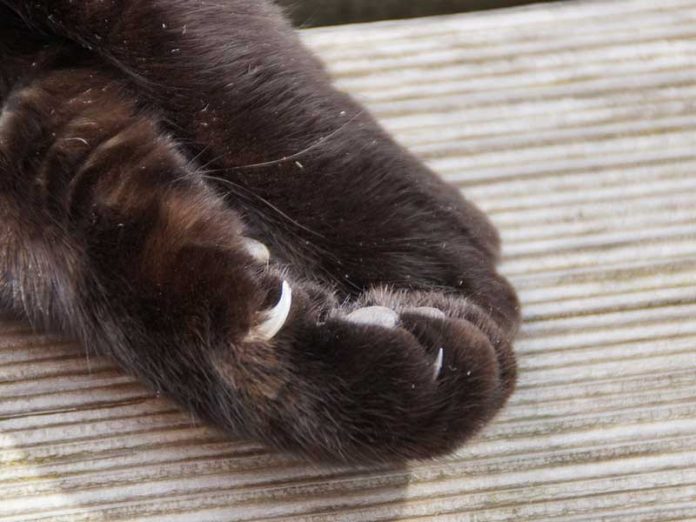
(329, 190)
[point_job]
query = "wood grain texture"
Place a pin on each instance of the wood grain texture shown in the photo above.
(574, 126)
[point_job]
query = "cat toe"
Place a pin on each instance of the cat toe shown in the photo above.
(386, 383)
(388, 318)
(374, 315)
(459, 332)
(273, 320)
(258, 250)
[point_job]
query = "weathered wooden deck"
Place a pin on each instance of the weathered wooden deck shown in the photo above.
(574, 126)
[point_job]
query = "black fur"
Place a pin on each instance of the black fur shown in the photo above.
(142, 142)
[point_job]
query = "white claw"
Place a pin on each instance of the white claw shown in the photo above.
(437, 367)
(375, 315)
(258, 250)
(274, 319)
(428, 311)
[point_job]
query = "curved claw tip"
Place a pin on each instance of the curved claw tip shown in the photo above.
(275, 318)
(258, 250)
(437, 366)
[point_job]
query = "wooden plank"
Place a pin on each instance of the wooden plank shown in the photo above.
(573, 126)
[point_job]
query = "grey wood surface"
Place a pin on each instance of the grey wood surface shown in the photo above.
(574, 126)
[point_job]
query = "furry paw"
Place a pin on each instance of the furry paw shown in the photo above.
(393, 376)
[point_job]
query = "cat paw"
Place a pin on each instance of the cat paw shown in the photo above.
(389, 376)
(394, 376)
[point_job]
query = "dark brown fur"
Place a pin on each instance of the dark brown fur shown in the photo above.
(142, 140)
